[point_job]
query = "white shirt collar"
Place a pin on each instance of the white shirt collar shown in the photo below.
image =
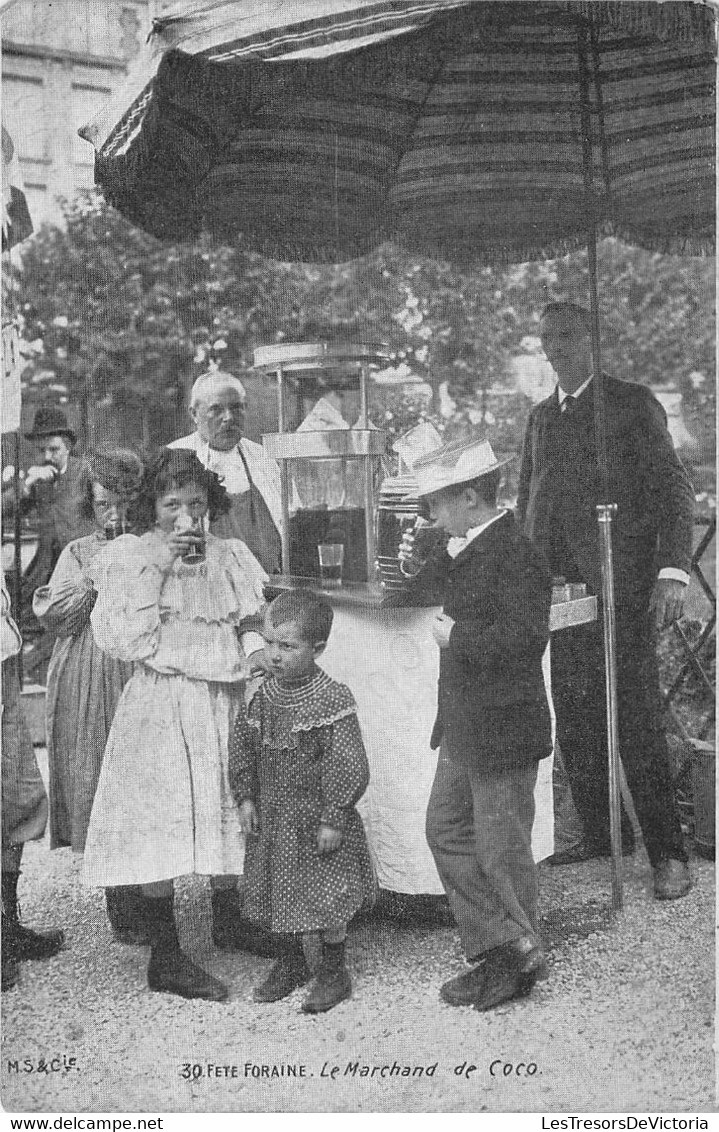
(455, 546)
(205, 453)
(562, 394)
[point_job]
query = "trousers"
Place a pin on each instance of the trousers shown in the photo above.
(579, 693)
(479, 830)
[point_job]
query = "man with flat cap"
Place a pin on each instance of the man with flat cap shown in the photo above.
(493, 723)
(559, 489)
(54, 490)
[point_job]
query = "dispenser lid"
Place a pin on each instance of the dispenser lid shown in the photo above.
(298, 356)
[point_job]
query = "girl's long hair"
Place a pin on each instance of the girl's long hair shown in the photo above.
(171, 468)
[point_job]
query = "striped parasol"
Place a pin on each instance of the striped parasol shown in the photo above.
(472, 130)
(455, 128)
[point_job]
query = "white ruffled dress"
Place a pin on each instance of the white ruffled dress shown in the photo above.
(163, 806)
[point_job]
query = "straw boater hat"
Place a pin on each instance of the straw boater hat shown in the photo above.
(50, 421)
(456, 463)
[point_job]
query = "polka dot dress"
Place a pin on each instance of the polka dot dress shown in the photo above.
(298, 754)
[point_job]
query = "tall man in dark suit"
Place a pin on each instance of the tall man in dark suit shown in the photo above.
(493, 723)
(559, 489)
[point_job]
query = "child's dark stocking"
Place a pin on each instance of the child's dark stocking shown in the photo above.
(170, 969)
(126, 913)
(231, 931)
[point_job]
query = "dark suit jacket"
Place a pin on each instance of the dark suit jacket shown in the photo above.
(492, 706)
(559, 489)
(58, 506)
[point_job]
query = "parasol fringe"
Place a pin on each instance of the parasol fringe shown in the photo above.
(500, 255)
(497, 255)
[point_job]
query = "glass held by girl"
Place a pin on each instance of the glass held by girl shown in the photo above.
(297, 769)
(163, 807)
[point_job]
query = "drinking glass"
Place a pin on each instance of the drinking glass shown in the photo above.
(331, 555)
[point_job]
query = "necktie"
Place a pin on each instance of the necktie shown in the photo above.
(569, 404)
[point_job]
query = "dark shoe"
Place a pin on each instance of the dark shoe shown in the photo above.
(126, 913)
(176, 974)
(287, 974)
(464, 989)
(24, 943)
(671, 879)
(332, 984)
(502, 983)
(231, 931)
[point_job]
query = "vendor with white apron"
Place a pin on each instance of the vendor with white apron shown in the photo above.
(217, 408)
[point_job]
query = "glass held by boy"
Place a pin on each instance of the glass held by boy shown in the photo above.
(493, 723)
(163, 807)
(298, 767)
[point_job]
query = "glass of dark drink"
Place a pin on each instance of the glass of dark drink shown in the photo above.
(113, 528)
(196, 553)
(331, 555)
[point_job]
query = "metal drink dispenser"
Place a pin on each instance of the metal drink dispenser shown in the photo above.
(307, 374)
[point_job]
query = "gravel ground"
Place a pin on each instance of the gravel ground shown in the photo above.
(623, 1023)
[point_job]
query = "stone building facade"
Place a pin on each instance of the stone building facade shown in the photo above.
(61, 60)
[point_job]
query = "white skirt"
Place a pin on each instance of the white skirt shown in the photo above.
(163, 806)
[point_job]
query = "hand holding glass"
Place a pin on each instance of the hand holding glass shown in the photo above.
(411, 560)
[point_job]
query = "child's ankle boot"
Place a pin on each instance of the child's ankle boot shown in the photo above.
(286, 975)
(332, 983)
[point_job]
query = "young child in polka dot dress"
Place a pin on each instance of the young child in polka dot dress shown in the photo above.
(297, 769)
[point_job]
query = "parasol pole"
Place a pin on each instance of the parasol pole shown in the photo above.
(605, 510)
(284, 473)
(17, 548)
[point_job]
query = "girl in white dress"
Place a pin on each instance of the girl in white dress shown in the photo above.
(175, 601)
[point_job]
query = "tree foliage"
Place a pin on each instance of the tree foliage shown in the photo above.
(117, 317)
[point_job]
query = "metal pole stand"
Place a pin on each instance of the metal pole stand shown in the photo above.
(605, 514)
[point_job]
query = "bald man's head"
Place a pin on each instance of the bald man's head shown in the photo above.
(217, 408)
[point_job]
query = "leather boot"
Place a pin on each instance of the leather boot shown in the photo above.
(10, 965)
(332, 983)
(169, 969)
(21, 942)
(126, 913)
(286, 974)
(231, 931)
